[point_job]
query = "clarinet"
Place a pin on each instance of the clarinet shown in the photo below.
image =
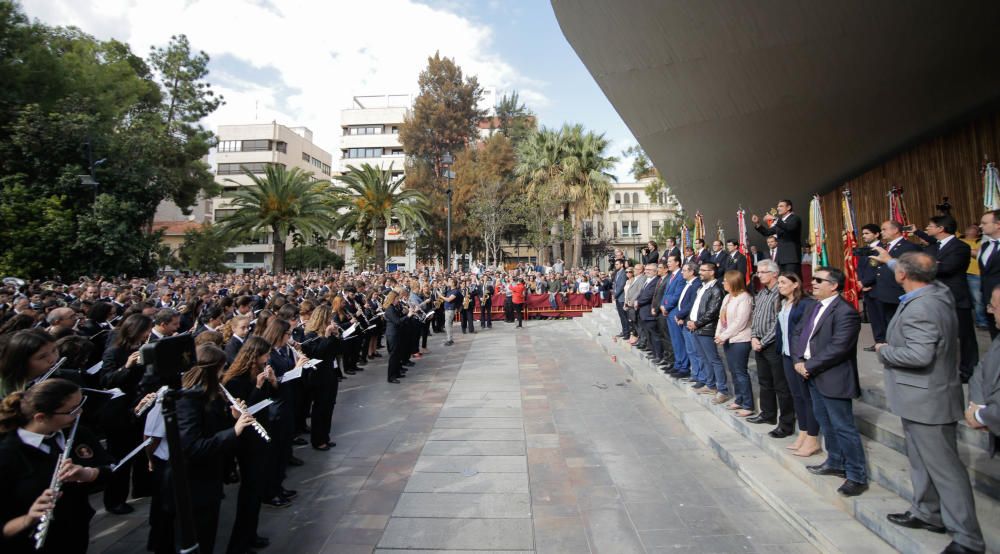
(42, 531)
(256, 425)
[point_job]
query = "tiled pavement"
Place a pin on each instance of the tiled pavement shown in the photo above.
(510, 441)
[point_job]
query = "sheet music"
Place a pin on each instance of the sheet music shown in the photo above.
(259, 406)
(113, 393)
(92, 370)
(350, 331)
(132, 454)
(313, 362)
(291, 374)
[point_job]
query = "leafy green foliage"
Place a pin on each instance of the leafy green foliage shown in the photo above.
(204, 250)
(313, 256)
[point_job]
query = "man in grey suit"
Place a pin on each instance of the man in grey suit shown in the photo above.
(922, 387)
(983, 412)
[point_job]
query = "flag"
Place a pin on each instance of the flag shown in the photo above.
(852, 287)
(741, 230)
(817, 234)
(685, 236)
(991, 186)
(897, 210)
(699, 226)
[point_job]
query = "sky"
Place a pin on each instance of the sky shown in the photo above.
(300, 62)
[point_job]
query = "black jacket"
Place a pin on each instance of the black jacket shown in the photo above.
(734, 260)
(952, 263)
(833, 364)
(789, 235)
(207, 438)
(708, 311)
(645, 298)
(887, 290)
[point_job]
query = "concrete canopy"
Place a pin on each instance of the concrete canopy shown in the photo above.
(749, 101)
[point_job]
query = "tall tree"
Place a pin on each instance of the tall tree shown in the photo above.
(371, 199)
(204, 249)
(514, 119)
(487, 170)
(281, 201)
(585, 168)
(538, 170)
(444, 120)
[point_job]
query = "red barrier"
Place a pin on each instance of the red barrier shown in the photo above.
(539, 305)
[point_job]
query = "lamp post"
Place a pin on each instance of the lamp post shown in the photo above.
(446, 162)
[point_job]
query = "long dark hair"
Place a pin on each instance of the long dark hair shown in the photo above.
(130, 334)
(46, 397)
(246, 360)
(276, 329)
(205, 373)
(15, 352)
(798, 294)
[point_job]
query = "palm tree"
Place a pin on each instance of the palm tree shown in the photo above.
(281, 201)
(585, 169)
(370, 199)
(538, 169)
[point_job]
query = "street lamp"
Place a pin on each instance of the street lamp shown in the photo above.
(446, 162)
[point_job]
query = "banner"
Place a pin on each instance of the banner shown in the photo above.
(699, 226)
(685, 237)
(897, 210)
(991, 186)
(852, 287)
(817, 234)
(741, 230)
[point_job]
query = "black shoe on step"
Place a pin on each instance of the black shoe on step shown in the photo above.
(907, 519)
(779, 433)
(823, 469)
(293, 461)
(120, 509)
(759, 418)
(852, 488)
(299, 441)
(394, 381)
(277, 502)
(289, 493)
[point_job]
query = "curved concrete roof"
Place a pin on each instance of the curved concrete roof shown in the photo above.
(749, 101)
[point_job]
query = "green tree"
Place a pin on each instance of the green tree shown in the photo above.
(371, 199)
(313, 256)
(280, 201)
(642, 167)
(204, 250)
(585, 168)
(514, 119)
(539, 172)
(444, 120)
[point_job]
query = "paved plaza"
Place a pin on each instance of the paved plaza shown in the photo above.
(512, 440)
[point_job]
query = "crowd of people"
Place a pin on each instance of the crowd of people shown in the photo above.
(690, 311)
(270, 354)
(273, 349)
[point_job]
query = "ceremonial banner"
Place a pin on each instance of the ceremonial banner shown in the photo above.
(817, 234)
(852, 287)
(699, 226)
(685, 236)
(897, 211)
(991, 186)
(741, 230)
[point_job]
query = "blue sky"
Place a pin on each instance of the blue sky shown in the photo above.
(301, 62)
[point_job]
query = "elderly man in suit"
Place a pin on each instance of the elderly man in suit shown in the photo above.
(648, 304)
(631, 293)
(923, 388)
(887, 291)
(824, 347)
(983, 411)
(621, 277)
(989, 261)
(787, 227)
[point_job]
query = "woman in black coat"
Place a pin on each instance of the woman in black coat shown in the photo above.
(321, 342)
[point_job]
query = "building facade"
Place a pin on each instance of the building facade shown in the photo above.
(255, 146)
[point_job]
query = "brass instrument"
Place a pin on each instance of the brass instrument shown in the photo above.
(239, 407)
(466, 299)
(42, 531)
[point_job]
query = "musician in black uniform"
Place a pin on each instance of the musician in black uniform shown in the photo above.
(251, 380)
(282, 412)
(240, 326)
(395, 331)
(349, 350)
(121, 368)
(27, 355)
(321, 341)
(486, 304)
(33, 422)
(470, 291)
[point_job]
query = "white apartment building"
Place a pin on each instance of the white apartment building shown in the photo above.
(254, 147)
(632, 218)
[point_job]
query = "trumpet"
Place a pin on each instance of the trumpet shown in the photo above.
(42, 531)
(239, 408)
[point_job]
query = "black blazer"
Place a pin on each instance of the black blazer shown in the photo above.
(887, 290)
(645, 298)
(952, 263)
(989, 273)
(233, 348)
(789, 235)
(207, 438)
(834, 349)
(651, 258)
(803, 306)
(735, 261)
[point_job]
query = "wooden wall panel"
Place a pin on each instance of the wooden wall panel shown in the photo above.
(947, 165)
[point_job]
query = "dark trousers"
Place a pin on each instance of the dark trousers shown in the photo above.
(485, 317)
(668, 347)
(252, 455)
(885, 312)
(775, 398)
(395, 357)
(991, 323)
(968, 346)
(874, 312)
(737, 356)
(623, 317)
(519, 313)
(681, 360)
(840, 435)
(425, 331)
(120, 442)
(649, 326)
(323, 388)
(468, 319)
(801, 398)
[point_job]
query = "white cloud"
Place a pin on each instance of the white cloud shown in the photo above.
(320, 53)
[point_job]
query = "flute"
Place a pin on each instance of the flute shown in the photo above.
(239, 408)
(42, 530)
(148, 401)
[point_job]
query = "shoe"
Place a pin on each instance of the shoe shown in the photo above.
(698, 385)
(350, 372)
(362, 362)
(120, 509)
(709, 390)
(375, 355)
(261, 542)
(277, 502)
(293, 461)
(394, 381)
(322, 447)
(656, 361)
(402, 375)
(907, 519)
(289, 493)
(759, 418)
(852, 488)
(720, 397)
(299, 441)
(678, 375)
(409, 363)
(955, 547)
(870, 348)
(823, 469)
(778, 433)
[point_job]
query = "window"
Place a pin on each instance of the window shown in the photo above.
(364, 130)
(253, 257)
(395, 248)
(396, 152)
(229, 192)
(281, 146)
(229, 257)
(395, 129)
(630, 228)
(635, 197)
(262, 238)
(256, 145)
(230, 145)
(656, 228)
(237, 169)
(306, 157)
(618, 198)
(363, 153)
(223, 214)
(260, 145)
(588, 228)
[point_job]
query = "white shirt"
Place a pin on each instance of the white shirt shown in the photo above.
(156, 427)
(35, 440)
(685, 291)
(893, 244)
(986, 252)
(823, 305)
(944, 241)
(697, 299)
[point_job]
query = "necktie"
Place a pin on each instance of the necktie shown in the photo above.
(774, 253)
(808, 329)
(53, 444)
(992, 250)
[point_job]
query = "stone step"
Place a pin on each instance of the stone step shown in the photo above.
(888, 467)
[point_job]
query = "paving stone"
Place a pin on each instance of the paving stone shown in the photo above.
(479, 464)
(474, 448)
(481, 412)
(477, 435)
(479, 423)
(459, 482)
(464, 505)
(449, 534)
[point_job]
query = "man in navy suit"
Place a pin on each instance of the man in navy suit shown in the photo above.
(787, 227)
(734, 259)
(648, 311)
(717, 257)
(621, 277)
(866, 275)
(989, 261)
(824, 347)
(952, 256)
(668, 307)
(700, 252)
(679, 316)
(887, 291)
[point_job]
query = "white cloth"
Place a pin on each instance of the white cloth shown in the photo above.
(157, 428)
(36, 440)
(823, 305)
(697, 299)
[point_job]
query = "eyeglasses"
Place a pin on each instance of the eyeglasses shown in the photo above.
(821, 280)
(75, 411)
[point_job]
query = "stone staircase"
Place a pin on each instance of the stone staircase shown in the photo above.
(831, 522)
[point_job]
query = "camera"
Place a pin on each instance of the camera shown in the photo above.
(165, 361)
(864, 252)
